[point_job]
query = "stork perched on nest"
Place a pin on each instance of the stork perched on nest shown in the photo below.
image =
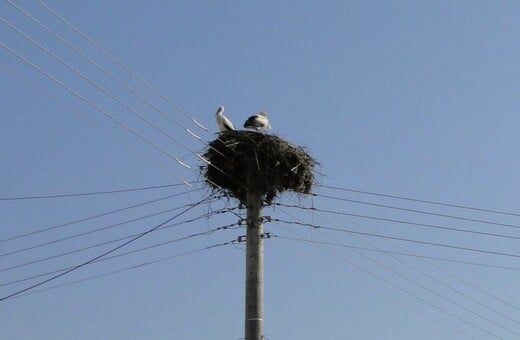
(224, 124)
(258, 122)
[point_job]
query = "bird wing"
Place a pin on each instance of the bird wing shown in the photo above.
(228, 124)
(224, 124)
(252, 122)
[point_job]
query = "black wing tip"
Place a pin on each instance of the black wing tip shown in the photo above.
(249, 122)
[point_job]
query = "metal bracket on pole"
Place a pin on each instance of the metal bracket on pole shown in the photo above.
(252, 221)
(243, 238)
(265, 235)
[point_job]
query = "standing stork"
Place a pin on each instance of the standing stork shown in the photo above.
(258, 122)
(224, 124)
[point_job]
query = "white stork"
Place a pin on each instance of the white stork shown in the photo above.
(258, 122)
(224, 124)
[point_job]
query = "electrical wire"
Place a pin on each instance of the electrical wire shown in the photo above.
(103, 90)
(367, 285)
(107, 73)
(426, 225)
(126, 68)
(102, 255)
(181, 163)
(434, 278)
(316, 226)
(204, 233)
(48, 75)
(103, 228)
(100, 68)
(403, 290)
(486, 265)
(452, 275)
(112, 97)
(418, 211)
(39, 260)
(84, 219)
(73, 92)
(500, 212)
(93, 193)
(137, 266)
(450, 300)
(68, 107)
(97, 108)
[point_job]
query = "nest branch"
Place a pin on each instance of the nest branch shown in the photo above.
(242, 161)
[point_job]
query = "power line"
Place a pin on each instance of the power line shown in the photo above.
(106, 213)
(39, 260)
(102, 89)
(452, 275)
(438, 281)
(204, 233)
(99, 67)
(367, 285)
(109, 55)
(32, 18)
(421, 200)
(68, 107)
(137, 266)
(403, 290)
(315, 226)
(112, 118)
(92, 193)
(101, 255)
(39, 245)
(426, 225)
(157, 128)
(397, 253)
(206, 215)
(97, 108)
(418, 211)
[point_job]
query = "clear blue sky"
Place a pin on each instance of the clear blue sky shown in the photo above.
(413, 98)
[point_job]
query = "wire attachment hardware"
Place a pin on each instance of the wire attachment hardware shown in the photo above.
(243, 238)
(265, 236)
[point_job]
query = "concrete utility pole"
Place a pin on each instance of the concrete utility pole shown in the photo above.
(254, 268)
(254, 168)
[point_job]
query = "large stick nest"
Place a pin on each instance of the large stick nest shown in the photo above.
(241, 161)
